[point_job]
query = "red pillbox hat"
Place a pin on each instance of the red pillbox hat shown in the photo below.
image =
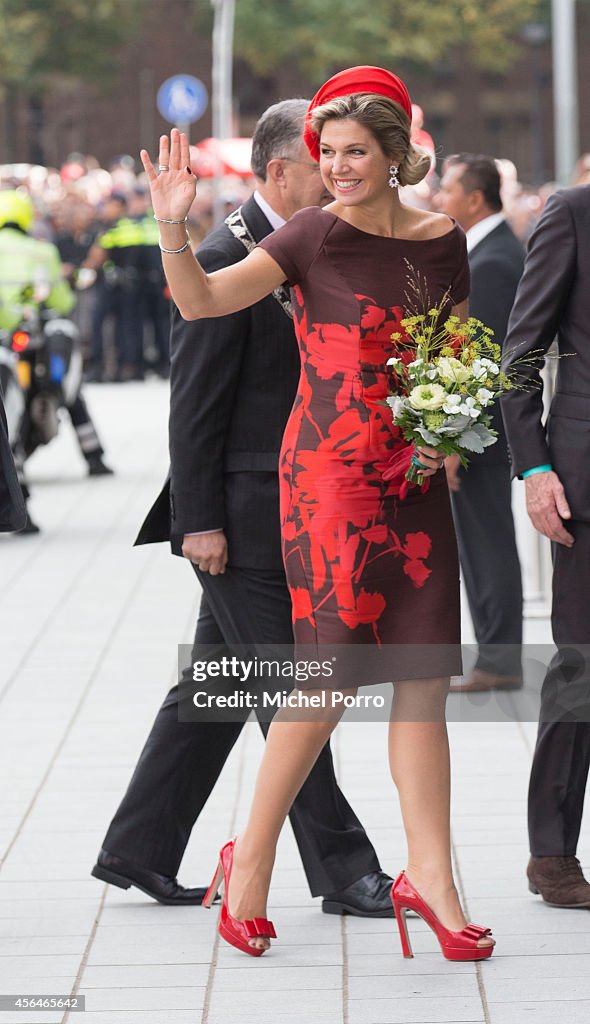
(363, 78)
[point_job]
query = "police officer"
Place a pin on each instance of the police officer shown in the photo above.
(25, 262)
(117, 251)
(155, 303)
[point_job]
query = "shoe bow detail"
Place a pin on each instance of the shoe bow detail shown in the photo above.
(475, 932)
(259, 927)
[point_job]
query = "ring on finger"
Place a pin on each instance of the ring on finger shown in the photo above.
(163, 167)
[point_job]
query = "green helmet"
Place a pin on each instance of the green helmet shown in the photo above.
(16, 208)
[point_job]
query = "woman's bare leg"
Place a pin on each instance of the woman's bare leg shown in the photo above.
(420, 767)
(291, 750)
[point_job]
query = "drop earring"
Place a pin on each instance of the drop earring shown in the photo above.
(393, 177)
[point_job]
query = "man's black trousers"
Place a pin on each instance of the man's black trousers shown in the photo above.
(562, 755)
(181, 761)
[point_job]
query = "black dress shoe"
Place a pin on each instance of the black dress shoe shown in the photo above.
(162, 888)
(96, 467)
(370, 896)
(29, 528)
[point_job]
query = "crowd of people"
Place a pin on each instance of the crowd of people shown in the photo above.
(100, 220)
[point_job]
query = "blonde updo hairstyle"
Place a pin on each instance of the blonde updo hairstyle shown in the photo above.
(389, 124)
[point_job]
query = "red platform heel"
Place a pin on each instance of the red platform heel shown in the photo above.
(233, 931)
(454, 945)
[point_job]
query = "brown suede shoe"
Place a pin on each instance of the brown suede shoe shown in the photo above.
(478, 681)
(559, 880)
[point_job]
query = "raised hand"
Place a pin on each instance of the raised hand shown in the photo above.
(173, 190)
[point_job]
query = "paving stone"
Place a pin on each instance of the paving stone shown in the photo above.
(415, 1010)
(117, 976)
(539, 990)
(171, 998)
(278, 1015)
(539, 1012)
(421, 986)
(138, 1017)
(252, 1000)
(377, 965)
(278, 979)
(18, 969)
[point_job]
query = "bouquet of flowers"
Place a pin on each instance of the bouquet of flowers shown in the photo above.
(444, 381)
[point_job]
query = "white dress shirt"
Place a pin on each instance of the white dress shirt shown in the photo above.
(479, 231)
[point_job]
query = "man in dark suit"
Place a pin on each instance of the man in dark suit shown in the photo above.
(233, 383)
(481, 495)
(554, 299)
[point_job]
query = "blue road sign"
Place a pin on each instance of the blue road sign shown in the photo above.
(182, 99)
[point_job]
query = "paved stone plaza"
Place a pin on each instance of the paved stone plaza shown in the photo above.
(89, 633)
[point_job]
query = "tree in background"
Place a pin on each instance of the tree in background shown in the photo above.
(45, 42)
(320, 36)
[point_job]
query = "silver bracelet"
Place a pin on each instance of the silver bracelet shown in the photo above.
(174, 252)
(162, 220)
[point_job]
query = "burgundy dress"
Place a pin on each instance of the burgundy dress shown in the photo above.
(363, 567)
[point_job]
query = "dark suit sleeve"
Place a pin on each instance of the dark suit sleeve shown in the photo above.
(539, 306)
(205, 366)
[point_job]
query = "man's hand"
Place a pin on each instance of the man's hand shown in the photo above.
(207, 550)
(547, 505)
(452, 464)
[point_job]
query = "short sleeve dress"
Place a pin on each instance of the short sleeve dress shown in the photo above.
(363, 566)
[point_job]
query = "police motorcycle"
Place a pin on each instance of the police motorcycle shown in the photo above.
(45, 350)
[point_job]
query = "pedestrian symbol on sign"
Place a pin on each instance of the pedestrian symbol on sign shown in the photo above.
(182, 99)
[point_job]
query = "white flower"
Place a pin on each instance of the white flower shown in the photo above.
(396, 403)
(427, 396)
(452, 404)
(394, 361)
(468, 408)
(491, 367)
(432, 374)
(415, 363)
(484, 396)
(452, 369)
(478, 370)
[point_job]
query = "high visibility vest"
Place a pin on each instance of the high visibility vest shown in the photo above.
(28, 263)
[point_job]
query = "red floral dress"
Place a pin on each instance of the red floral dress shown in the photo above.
(363, 567)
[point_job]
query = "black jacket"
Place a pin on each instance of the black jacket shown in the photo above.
(554, 299)
(233, 382)
(496, 266)
(13, 513)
